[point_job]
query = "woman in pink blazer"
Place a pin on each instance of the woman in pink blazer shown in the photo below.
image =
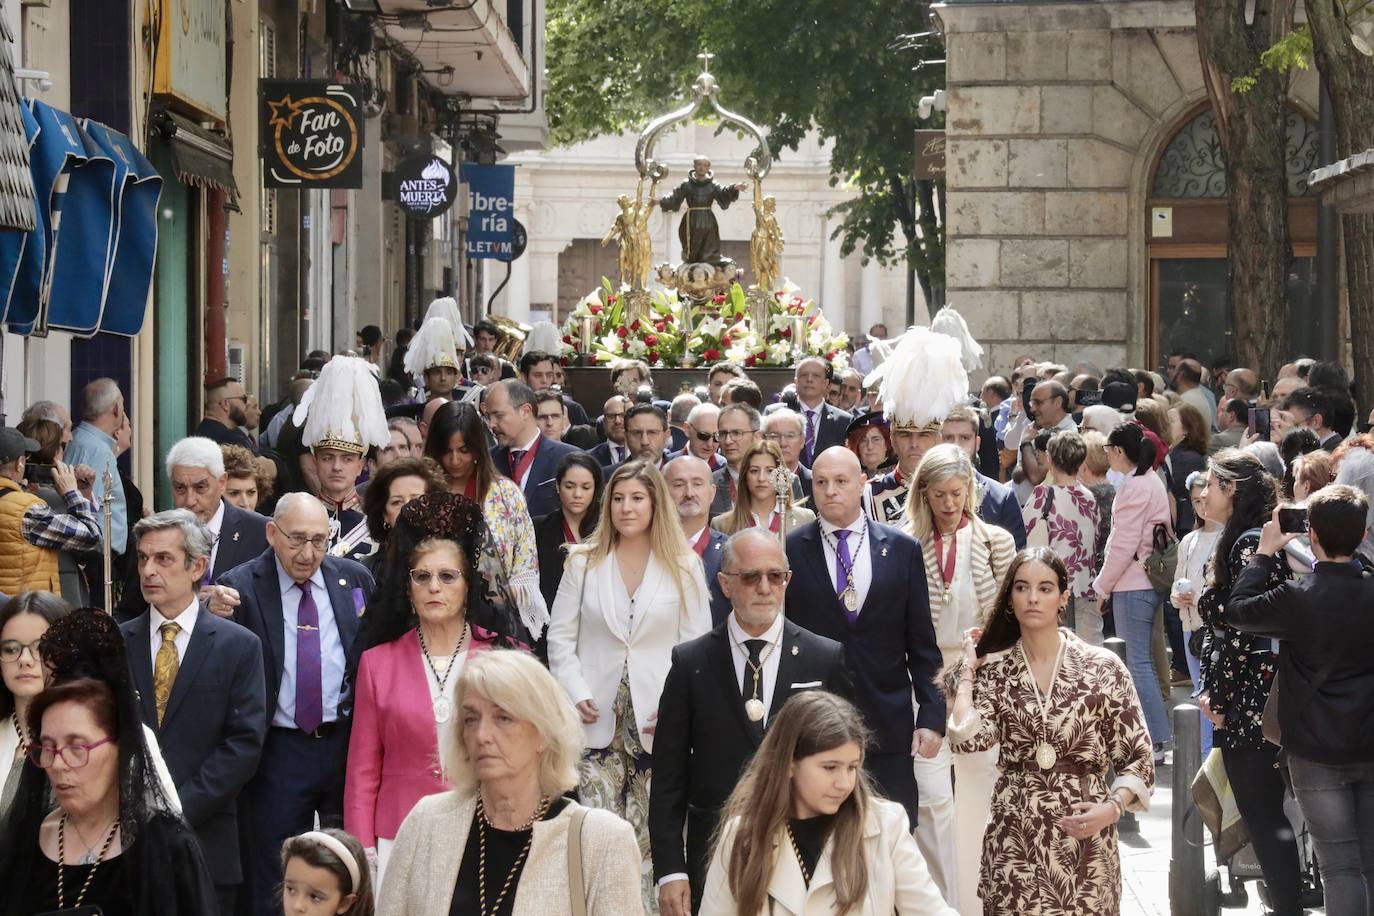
(428, 590)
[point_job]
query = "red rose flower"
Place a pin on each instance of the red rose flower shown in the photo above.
(622, 332)
(750, 360)
(786, 333)
(711, 355)
(718, 299)
(610, 300)
(650, 340)
(567, 339)
(596, 309)
(634, 326)
(667, 319)
(725, 340)
(563, 360)
(798, 300)
(653, 356)
(658, 326)
(831, 355)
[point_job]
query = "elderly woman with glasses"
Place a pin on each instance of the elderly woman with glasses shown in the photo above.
(418, 635)
(92, 827)
(506, 839)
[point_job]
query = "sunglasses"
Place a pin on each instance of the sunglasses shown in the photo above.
(776, 577)
(705, 437)
(422, 577)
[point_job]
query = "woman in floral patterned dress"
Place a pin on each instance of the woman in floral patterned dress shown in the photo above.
(1062, 514)
(1065, 714)
(1237, 670)
(457, 440)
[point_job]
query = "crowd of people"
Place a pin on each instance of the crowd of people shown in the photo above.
(434, 637)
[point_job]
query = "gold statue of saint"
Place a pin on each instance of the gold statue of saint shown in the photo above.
(765, 245)
(631, 230)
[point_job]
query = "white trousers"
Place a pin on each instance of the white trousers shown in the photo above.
(950, 822)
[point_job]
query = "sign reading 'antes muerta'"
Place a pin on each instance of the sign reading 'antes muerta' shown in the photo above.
(311, 134)
(425, 186)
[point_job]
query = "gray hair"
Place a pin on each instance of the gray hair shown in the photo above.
(196, 538)
(682, 408)
(196, 452)
(785, 415)
(290, 501)
(99, 398)
(701, 411)
(45, 410)
(727, 556)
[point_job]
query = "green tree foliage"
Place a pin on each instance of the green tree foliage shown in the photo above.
(786, 64)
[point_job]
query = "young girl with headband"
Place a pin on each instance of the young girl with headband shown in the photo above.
(325, 873)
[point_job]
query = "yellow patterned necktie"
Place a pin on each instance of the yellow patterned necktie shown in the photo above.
(165, 667)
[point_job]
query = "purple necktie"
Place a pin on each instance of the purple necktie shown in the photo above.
(309, 691)
(811, 437)
(843, 564)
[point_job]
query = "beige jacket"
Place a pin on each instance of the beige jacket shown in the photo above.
(424, 863)
(898, 880)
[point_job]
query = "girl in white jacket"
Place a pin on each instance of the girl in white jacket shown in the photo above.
(804, 834)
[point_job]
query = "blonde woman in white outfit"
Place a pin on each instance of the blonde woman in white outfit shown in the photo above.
(965, 561)
(630, 593)
(803, 833)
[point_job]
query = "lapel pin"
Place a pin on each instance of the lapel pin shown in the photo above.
(236, 535)
(794, 650)
(884, 551)
(343, 582)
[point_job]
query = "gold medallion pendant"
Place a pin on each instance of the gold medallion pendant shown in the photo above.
(851, 599)
(1045, 756)
(753, 708)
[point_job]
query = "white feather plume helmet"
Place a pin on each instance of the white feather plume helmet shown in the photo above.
(447, 307)
(543, 337)
(949, 322)
(922, 380)
(433, 345)
(343, 409)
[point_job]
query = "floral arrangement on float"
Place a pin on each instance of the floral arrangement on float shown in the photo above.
(775, 332)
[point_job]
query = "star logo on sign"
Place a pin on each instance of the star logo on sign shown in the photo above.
(290, 108)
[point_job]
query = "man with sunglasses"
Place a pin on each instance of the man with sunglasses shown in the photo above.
(304, 606)
(703, 440)
(722, 691)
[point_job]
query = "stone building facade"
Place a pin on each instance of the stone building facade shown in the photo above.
(1065, 237)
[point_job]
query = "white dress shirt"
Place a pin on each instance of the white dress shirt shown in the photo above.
(861, 573)
(739, 653)
(331, 649)
(186, 620)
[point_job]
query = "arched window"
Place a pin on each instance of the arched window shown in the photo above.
(1188, 236)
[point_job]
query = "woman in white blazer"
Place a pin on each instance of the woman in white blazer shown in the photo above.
(630, 593)
(804, 833)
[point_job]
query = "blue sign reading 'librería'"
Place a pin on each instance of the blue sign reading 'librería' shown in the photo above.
(491, 209)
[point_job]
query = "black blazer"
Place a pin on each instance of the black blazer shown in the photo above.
(1325, 621)
(213, 729)
(540, 497)
(704, 740)
(832, 425)
(220, 434)
(603, 456)
(548, 544)
(348, 583)
(891, 650)
(801, 485)
(242, 536)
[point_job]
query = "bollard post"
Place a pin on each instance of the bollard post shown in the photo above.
(1128, 823)
(1187, 876)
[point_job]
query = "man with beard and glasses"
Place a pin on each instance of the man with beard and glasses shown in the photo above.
(226, 410)
(693, 489)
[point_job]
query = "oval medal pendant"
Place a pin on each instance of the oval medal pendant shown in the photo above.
(443, 709)
(753, 708)
(1045, 756)
(850, 599)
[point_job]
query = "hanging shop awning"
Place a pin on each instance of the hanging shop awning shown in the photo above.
(87, 266)
(200, 158)
(16, 187)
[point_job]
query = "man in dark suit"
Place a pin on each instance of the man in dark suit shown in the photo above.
(997, 504)
(738, 427)
(863, 584)
(613, 450)
(195, 467)
(226, 411)
(523, 454)
(689, 483)
(702, 437)
(304, 607)
(823, 425)
(709, 724)
(201, 688)
(785, 429)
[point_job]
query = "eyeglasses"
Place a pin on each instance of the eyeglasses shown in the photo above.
(297, 541)
(776, 577)
(734, 434)
(705, 437)
(782, 437)
(12, 649)
(422, 577)
(73, 755)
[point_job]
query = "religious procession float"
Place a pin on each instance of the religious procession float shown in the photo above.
(698, 312)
